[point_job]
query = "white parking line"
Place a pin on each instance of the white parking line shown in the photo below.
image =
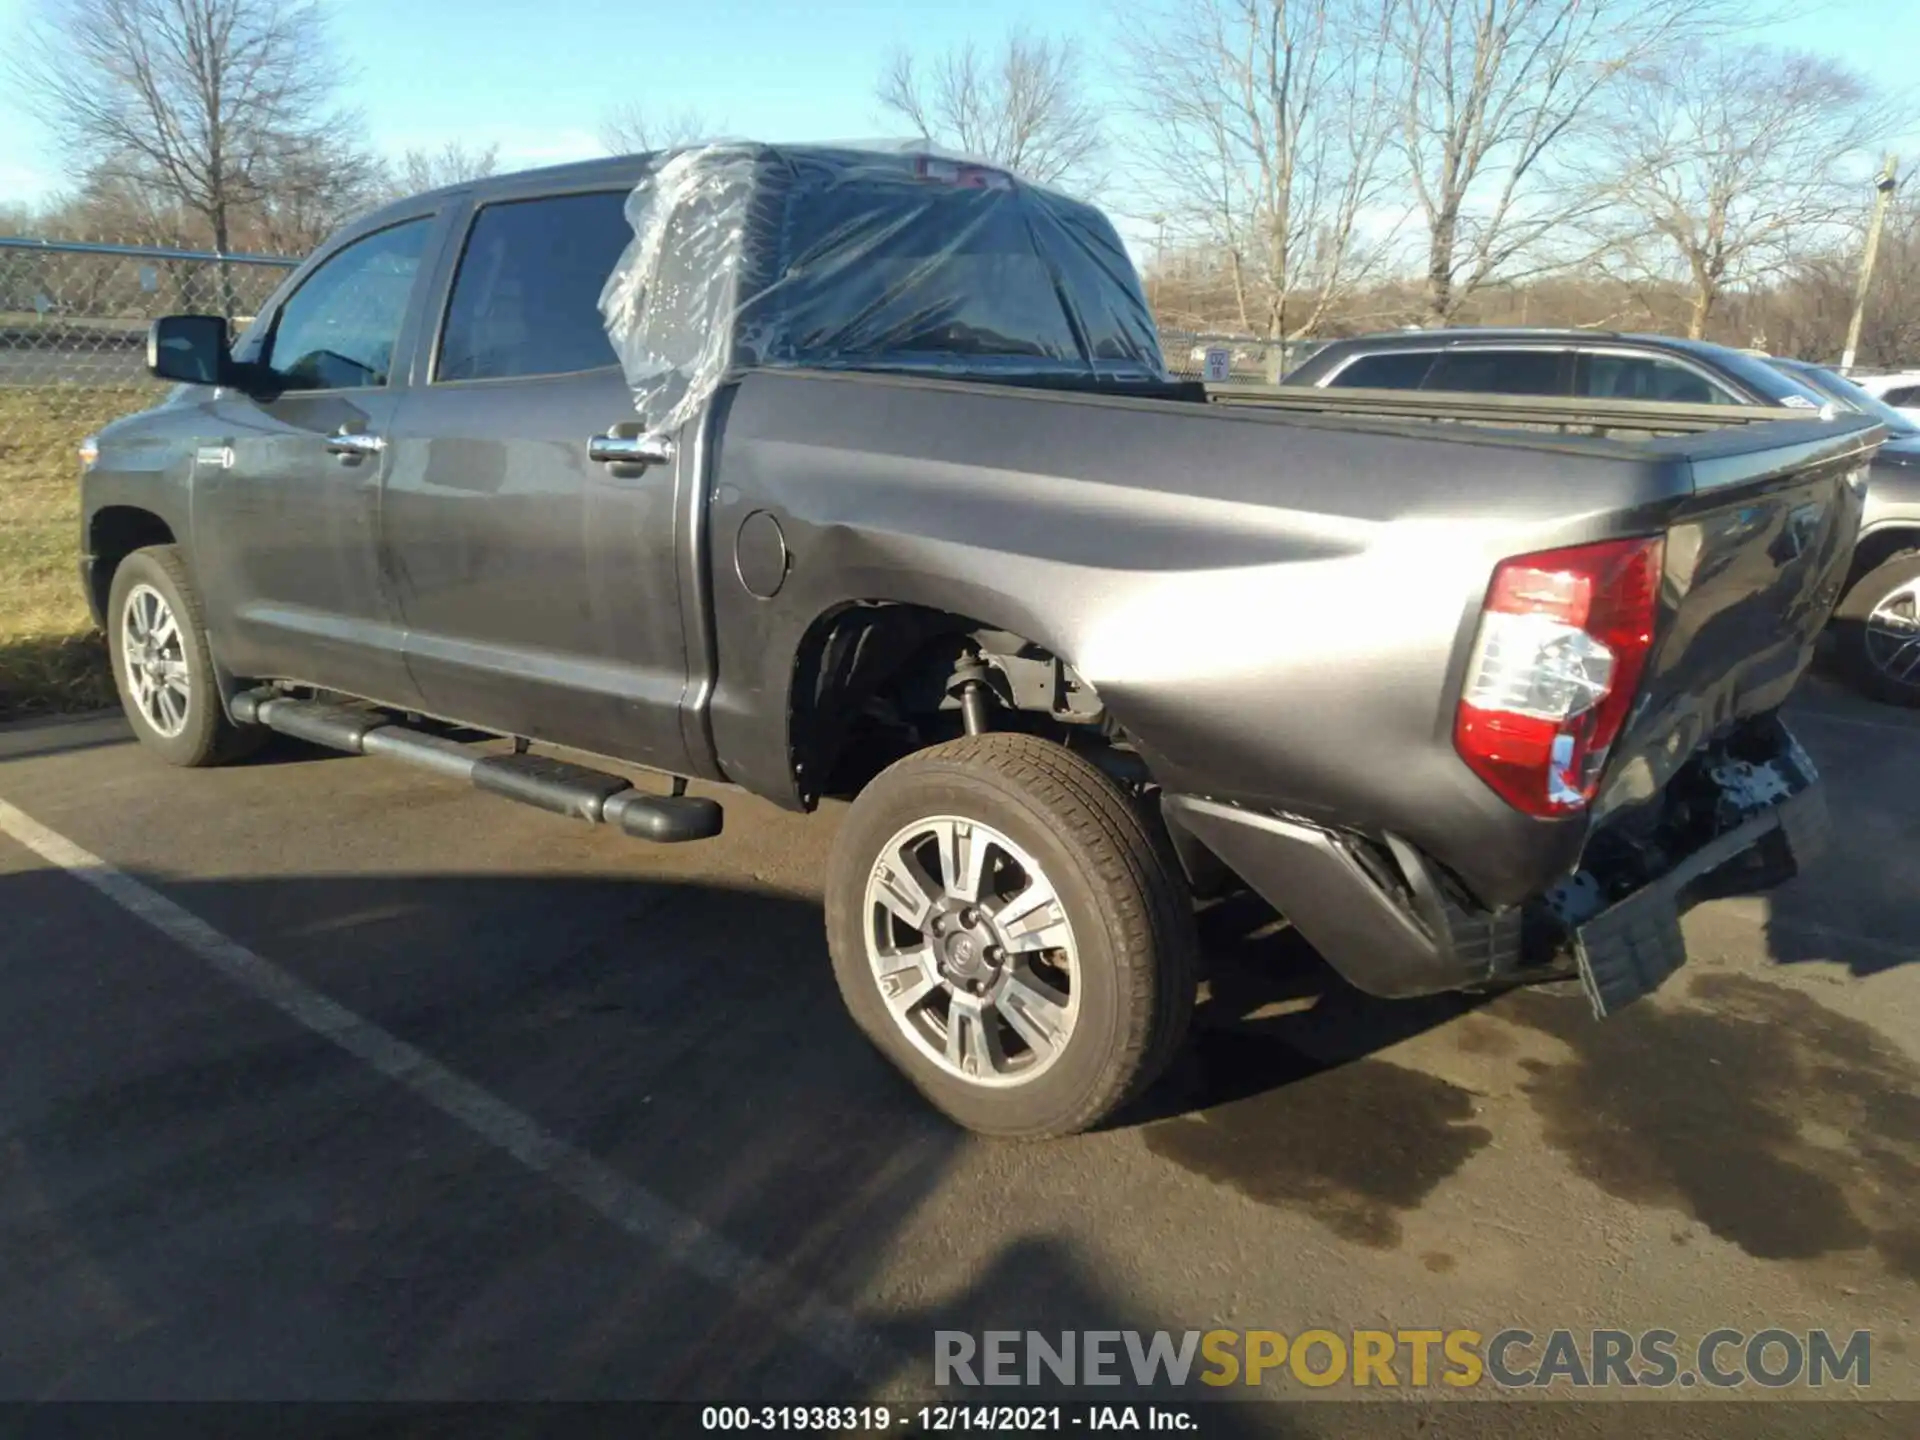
(817, 1323)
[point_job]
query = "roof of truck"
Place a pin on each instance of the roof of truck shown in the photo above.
(628, 169)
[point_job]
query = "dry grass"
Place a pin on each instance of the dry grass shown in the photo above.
(51, 658)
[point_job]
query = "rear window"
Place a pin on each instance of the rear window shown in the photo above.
(1647, 377)
(1501, 372)
(1391, 370)
(921, 274)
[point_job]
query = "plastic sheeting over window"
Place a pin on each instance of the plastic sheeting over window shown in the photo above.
(750, 255)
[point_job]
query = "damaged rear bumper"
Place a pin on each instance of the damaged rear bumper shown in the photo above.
(1632, 945)
(1394, 924)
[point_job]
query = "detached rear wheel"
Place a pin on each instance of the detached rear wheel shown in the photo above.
(1880, 631)
(163, 667)
(1006, 932)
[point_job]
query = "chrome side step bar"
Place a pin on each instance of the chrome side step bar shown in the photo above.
(538, 780)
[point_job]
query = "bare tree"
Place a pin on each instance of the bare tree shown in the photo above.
(1022, 106)
(1263, 136)
(215, 104)
(452, 164)
(1734, 162)
(629, 129)
(1490, 93)
(317, 185)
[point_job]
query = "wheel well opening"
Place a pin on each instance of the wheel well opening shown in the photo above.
(115, 533)
(875, 681)
(1881, 546)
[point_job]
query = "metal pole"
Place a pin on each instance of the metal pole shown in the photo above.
(1889, 178)
(1159, 263)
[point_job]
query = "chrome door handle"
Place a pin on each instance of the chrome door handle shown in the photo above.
(353, 443)
(630, 449)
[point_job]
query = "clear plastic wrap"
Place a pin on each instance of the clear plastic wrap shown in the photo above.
(747, 255)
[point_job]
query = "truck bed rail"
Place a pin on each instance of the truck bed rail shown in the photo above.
(1567, 415)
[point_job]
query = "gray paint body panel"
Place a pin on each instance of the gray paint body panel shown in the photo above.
(1278, 611)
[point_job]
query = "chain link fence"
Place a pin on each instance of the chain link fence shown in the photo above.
(1249, 358)
(73, 328)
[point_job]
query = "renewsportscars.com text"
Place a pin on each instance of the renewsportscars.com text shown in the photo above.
(1511, 1359)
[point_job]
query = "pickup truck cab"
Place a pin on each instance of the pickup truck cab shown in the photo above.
(834, 473)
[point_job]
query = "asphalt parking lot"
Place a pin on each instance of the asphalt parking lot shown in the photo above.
(347, 1082)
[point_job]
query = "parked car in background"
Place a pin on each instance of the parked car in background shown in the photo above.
(1877, 643)
(1901, 390)
(1595, 364)
(1878, 619)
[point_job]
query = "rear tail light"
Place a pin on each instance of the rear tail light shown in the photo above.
(1563, 640)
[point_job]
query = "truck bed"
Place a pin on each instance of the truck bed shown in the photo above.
(1277, 601)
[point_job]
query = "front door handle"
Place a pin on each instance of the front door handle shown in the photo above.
(354, 445)
(630, 449)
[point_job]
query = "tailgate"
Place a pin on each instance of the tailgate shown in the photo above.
(1754, 564)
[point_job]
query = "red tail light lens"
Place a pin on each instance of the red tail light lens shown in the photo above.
(1564, 638)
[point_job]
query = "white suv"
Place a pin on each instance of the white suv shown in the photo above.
(1901, 390)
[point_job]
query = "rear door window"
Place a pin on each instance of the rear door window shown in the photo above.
(1903, 396)
(1502, 372)
(1646, 377)
(1389, 370)
(526, 299)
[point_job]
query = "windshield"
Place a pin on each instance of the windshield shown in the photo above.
(1840, 388)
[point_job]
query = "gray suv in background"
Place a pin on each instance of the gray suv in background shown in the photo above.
(1876, 627)
(1590, 364)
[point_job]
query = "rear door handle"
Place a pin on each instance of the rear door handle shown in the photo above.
(354, 444)
(630, 449)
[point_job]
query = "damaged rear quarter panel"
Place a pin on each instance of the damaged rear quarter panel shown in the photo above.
(1277, 610)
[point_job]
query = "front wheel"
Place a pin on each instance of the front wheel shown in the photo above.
(162, 665)
(1006, 931)
(1879, 624)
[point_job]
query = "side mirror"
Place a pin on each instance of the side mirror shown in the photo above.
(189, 348)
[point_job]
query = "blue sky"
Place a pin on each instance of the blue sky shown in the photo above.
(537, 78)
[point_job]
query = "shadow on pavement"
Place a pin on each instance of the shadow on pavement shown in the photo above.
(1859, 904)
(1282, 1074)
(1775, 1123)
(199, 1198)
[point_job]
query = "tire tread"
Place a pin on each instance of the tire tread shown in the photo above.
(1145, 901)
(215, 740)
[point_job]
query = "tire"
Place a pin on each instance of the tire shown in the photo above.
(1115, 958)
(1878, 654)
(188, 726)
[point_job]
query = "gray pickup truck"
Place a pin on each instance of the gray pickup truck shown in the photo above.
(830, 473)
